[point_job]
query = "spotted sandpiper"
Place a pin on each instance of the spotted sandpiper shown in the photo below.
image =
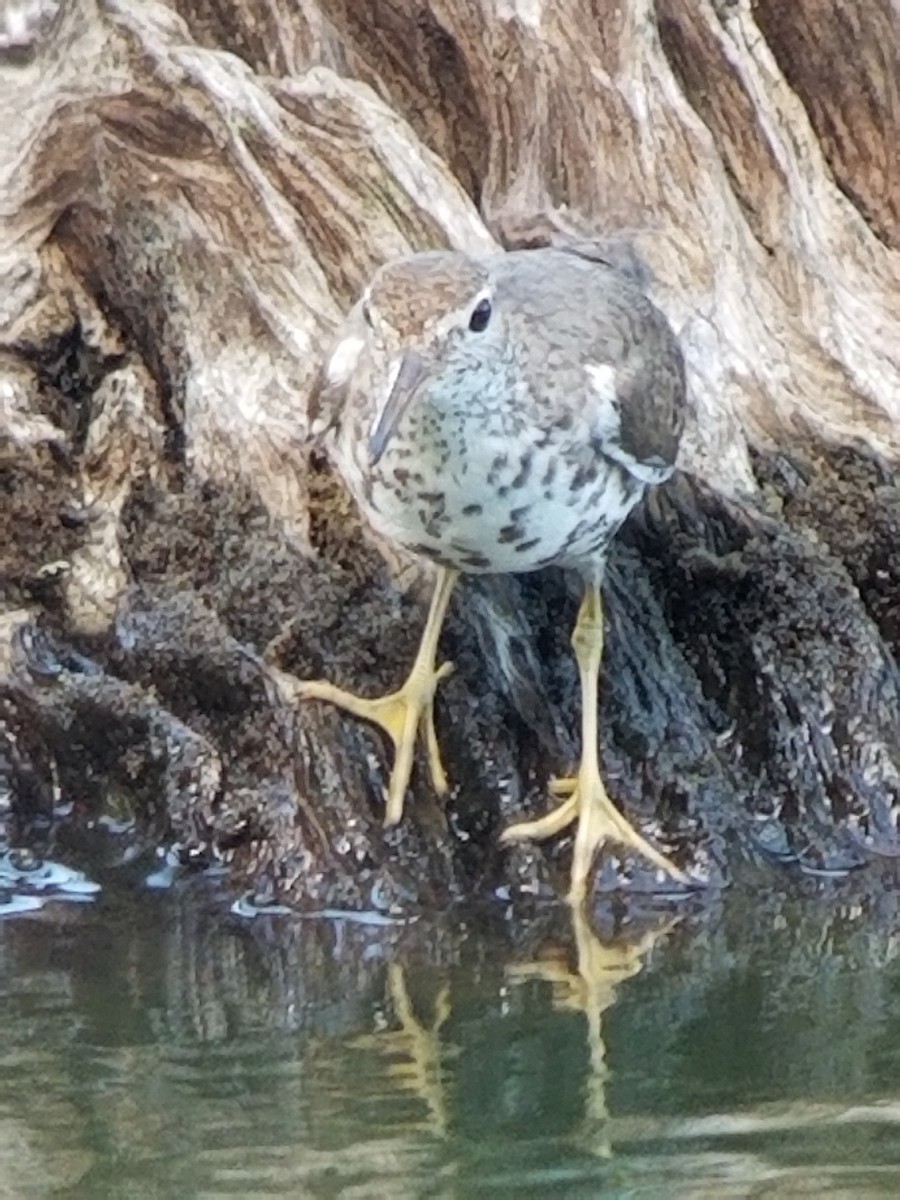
(502, 415)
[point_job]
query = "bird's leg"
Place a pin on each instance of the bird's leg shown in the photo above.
(598, 819)
(403, 713)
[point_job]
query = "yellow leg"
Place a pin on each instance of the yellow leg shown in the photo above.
(404, 712)
(598, 819)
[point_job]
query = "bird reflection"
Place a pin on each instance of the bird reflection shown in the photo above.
(589, 984)
(413, 1047)
(429, 1054)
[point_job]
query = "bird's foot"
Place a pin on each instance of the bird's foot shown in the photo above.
(599, 821)
(401, 715)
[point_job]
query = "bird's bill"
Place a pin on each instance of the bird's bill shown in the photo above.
(408, 379)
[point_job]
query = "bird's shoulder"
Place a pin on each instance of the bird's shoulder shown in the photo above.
(609, 355)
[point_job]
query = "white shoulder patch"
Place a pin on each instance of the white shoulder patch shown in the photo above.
(603, 379)
(603, 413)
(605, 422)
(343, 360)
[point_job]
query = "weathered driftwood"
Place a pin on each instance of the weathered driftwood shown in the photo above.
(188, 201)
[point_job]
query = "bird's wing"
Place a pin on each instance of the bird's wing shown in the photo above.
(647, 386)
(613, 363)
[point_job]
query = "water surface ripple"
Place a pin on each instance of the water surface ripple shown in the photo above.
(156, 1045)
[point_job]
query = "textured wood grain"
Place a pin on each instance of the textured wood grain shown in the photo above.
(856, 114)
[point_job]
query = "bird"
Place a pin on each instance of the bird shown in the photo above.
(503, 414)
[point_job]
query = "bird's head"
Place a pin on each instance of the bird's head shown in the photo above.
(416, 319)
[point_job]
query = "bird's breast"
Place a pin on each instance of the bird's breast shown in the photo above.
(495, 495)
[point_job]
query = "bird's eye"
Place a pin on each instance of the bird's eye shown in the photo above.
(481, 314)
(367, 314)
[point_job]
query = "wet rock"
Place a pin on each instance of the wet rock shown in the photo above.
(749, 701)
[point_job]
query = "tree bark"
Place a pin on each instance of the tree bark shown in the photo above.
(191, 195)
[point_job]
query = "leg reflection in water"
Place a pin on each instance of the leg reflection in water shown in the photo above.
(413, 1047)
(590, 986)
(425, 1057)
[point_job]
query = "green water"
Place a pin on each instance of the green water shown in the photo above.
(155, 1046)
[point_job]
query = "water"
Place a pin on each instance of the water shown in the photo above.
(155, 1045)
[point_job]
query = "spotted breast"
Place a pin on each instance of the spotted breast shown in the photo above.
(546, 393)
